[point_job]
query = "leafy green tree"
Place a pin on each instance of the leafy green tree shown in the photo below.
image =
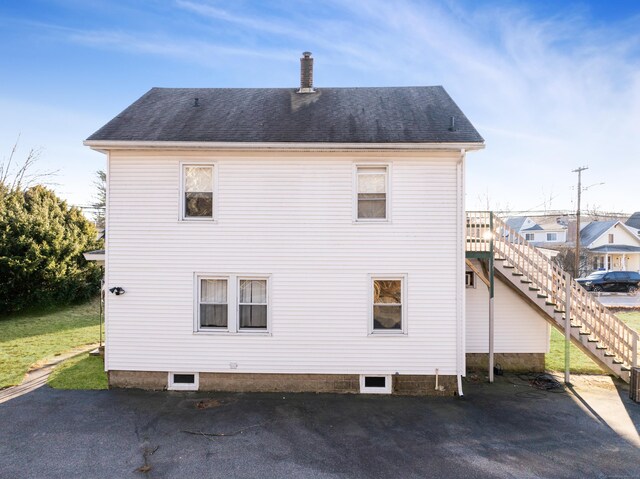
(41, 244)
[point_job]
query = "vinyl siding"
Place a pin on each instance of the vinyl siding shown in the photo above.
(290, 217)
(518, 328)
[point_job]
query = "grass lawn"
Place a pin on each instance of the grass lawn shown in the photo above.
(30, 337)
(580, 362)
(82, 372)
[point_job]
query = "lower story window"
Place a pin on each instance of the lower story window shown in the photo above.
(214, 307)
(252, 304)
(387, 308)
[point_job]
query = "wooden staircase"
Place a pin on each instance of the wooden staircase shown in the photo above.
(594, 329)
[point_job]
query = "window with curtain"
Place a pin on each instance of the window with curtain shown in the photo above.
(387, 305)
(198, 191)
(253, 304)
(372, 192)
(214, 307)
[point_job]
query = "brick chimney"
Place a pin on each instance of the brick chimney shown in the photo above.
(306, 73)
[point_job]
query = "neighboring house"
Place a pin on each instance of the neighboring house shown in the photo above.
(612, 245)
(520, 223)
(547, 231)
(543, 230)
(283, 240)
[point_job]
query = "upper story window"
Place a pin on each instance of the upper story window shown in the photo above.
(387, 312)
(372, 193)
(610, 238)
(197, 192)
(552, 236)
(529, 236)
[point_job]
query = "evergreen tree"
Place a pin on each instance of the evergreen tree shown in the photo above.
(41, 244)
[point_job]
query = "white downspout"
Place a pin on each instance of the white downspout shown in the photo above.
(460, 330)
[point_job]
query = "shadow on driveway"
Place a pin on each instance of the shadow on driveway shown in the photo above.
(504, 430)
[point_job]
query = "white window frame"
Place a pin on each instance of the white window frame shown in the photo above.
(230, 316)
(214, 189)
(404, 298)
(265, 278)
(233, 303)
(529, 236)
(387, 389)
(194, 386)
(387, 218)
(555, 237)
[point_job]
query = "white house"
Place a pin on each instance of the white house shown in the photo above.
(545, 230)
(283, 240)
(612, 244)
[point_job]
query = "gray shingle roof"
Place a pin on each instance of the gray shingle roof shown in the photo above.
(610, 248)
(634, 220)
(516, 222)
(594, 230)
(331, 115)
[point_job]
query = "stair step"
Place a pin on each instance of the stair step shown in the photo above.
(585, 333)
(525, 281)
(601, 347)
(542, 296)
(609, 355)
(499, 259)
(593, 340)
(617, 361)
(517, 274)
(550, 303)
(508, 266)
(625, 368)
(579, 326)
(533, 288)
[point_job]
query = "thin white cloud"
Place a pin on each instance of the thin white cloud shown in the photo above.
(548, 93)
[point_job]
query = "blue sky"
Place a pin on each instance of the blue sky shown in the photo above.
(550, 85)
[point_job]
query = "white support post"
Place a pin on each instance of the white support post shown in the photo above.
(634, 359)
(567, 329)
(491, 345)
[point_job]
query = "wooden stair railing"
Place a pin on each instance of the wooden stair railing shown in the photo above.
(537, 272)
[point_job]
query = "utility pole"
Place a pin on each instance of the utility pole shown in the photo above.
(576, 266)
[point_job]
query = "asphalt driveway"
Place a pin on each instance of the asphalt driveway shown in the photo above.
(507, 430)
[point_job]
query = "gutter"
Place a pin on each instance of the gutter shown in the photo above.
(104, 145)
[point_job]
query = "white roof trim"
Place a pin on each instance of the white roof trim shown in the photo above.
(94, 256)
(101, 145)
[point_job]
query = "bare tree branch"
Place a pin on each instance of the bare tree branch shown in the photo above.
(24, 176)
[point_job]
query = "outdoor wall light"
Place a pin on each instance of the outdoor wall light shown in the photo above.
(117, 290)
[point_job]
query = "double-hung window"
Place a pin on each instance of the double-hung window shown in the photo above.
(197, 192)
(213, 308)
(388, 305)
(372, 193)
(232, 303)
(252, 304)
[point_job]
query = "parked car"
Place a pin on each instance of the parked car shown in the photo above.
(613, 281)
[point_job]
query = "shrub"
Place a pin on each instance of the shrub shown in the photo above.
(41, 244)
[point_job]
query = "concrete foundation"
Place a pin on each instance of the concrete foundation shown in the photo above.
(150, 380)
(424, 385)
(404, 385)
(513, 362)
